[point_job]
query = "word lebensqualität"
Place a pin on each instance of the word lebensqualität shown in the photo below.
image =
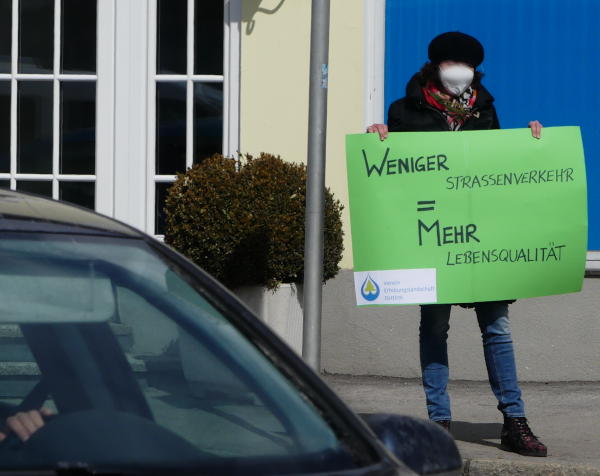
(506, 255)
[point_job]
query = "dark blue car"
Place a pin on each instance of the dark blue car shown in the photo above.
(141, 363)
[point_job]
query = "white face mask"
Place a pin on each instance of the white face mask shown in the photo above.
(456, 78)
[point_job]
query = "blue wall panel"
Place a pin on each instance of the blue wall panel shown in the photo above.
(542, 61)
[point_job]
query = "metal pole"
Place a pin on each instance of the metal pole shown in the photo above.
(315, 183)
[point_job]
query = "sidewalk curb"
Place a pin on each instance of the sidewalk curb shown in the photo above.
(490, 467)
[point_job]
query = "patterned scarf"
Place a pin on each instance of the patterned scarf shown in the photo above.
(456, 110)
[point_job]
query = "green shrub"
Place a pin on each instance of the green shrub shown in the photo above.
(243, 221)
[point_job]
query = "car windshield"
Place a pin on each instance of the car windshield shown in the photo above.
(139, 370)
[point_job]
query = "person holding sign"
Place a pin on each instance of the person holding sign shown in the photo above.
(447, 95)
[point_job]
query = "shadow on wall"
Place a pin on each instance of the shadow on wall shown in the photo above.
(252, 7)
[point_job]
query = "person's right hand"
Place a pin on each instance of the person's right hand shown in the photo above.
(381, 129)
(25, 424)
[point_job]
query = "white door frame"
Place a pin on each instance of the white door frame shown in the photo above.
(374, 69)
(105, 90)
(131, 43)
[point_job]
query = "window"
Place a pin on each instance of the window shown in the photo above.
(49, 89)
(186, 92)
(103, 102)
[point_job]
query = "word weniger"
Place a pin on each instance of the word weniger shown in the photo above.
(405, 165)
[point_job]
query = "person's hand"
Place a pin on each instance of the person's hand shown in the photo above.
(381, 129)
(25, 424)
(536, 129)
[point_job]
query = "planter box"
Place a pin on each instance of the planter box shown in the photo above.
(281, 310)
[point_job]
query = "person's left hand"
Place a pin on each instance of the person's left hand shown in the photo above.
(536, 129)
(25, 424)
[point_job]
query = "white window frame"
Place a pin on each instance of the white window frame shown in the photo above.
(103, 79)
(229, 79)
(135, 104)
(374, 80)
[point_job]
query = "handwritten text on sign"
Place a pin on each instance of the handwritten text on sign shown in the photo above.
(467, 216)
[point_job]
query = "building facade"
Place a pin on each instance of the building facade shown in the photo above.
(102, 102)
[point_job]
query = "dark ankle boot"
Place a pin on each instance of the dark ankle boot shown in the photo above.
(518, 437)
(445, 424)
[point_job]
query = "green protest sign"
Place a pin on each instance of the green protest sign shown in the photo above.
(471, 216)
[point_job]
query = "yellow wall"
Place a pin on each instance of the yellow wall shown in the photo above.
(275, 54)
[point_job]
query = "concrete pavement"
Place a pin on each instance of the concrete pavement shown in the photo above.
(564, 415)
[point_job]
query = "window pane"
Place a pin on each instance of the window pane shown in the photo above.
(36, 36)
(78, 127)
(80, 193)
(208, 41)
(159, 214)
(170, 127)
(34, 186)
(171, 50)
(34, 127)
(4, 183)
(5, 35)
(4, 126)
(208, 120)
(78, 36)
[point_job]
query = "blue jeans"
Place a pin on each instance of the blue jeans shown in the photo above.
(497, 349)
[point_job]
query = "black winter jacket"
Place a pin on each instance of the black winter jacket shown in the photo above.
(413, 114)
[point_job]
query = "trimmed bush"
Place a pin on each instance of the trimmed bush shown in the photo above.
(243, 221)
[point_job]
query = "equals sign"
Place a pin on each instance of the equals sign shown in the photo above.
(425, 205)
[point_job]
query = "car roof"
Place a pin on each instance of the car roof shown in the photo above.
(33, 213)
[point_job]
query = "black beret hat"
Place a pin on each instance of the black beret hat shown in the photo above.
(456, 46)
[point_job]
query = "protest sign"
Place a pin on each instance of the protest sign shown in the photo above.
(470, 216)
